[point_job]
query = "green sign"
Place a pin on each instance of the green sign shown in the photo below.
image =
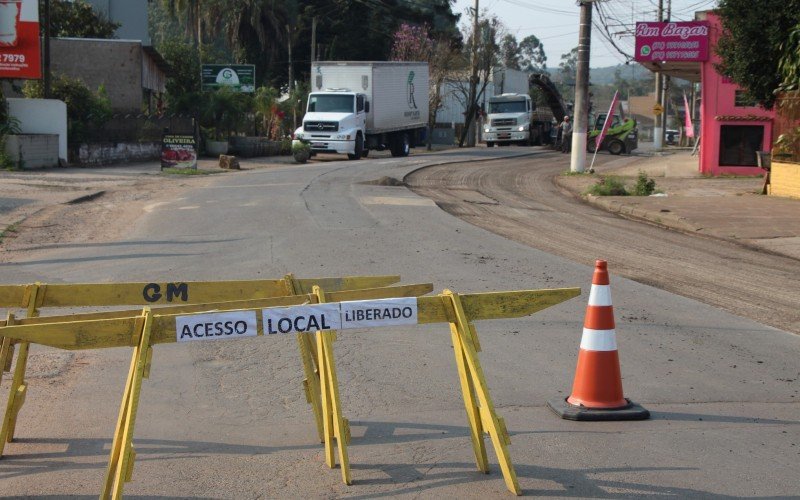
(240, 77)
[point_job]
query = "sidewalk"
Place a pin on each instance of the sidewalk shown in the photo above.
(729, 208)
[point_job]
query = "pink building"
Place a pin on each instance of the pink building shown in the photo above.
(732, 129)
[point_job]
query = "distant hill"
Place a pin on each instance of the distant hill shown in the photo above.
(605, 75)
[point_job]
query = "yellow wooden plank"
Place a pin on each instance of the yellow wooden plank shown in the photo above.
(490, 418)
(344, 283)
(12, 296)
(495, 305)
(380, 293)
(193, 292)
(470, 403)
(76, 335)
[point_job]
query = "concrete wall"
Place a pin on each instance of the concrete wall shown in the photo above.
(42, 116)
(116, 64)
(131, 14)
(785, 179)
(107, 153)
(33, 150)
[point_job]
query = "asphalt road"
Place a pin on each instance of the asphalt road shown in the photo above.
(228, 419)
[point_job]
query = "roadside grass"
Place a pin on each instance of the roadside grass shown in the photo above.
(12, 229)
(189, 171)
(615, 186)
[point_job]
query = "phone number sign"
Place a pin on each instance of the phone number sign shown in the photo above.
(19, 39)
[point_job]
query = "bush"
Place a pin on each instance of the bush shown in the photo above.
(85, 109)
(608, 186)
(645, 186)
(301, 151)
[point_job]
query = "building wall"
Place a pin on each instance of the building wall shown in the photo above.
(718, 110)
(115, 64)
(42, 116)
(131, 14)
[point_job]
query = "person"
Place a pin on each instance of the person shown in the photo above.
(566, 134)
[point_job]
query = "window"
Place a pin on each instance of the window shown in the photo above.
(508, 106)
(739, 144)
(360, 103)
(330, 103)
(742, 101)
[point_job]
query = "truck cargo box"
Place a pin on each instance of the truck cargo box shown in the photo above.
(397, 91)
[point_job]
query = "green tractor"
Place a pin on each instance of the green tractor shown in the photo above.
(622, 135)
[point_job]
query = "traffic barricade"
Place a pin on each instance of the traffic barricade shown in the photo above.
(322, 315)
(34, 297)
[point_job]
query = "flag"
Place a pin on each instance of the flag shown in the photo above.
(607, 123)
(687, 113)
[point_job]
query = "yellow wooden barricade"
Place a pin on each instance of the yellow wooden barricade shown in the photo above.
(33, 297)
(154, 327)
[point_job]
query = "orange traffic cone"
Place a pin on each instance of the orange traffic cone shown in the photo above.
(597, 388)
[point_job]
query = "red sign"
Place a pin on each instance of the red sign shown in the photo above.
(681, 41)
(607, 123)
(19, 39)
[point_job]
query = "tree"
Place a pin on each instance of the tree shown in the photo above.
(414, 43)
(510, 52)
(490, 30)
(532, 54)
(77, 18)
(751, 43)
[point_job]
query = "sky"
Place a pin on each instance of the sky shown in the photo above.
(555, 23)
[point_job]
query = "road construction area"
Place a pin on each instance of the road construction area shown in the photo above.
(706, 327)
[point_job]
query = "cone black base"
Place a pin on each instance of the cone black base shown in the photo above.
(567, 411)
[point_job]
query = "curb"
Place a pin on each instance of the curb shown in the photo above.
(669, 220)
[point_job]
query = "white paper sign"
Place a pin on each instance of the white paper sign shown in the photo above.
(381, 312)
(301, 319)
(216, 326)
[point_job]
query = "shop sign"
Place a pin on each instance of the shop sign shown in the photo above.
(672, 42)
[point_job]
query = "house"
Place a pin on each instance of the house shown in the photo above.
(732, 130)
(133, 75)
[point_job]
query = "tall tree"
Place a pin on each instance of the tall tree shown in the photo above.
(414, 43)
(532, 54)
(77, 18)
(751, 43)
(510, 52)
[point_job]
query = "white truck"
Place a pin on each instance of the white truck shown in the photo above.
(354, 107)
(513, 119)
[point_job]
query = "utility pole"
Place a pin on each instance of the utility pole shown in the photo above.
(313, 39)
(667, 82)
(47, 91)
(469, 118)
(581, 109)
(658, 127)
(291, 75)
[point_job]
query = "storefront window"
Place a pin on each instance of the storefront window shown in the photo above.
(739, 144)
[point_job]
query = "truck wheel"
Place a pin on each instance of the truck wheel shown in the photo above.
(489, 144)
(616, 147)
(401, 145)
(359, 149)
(591, 144)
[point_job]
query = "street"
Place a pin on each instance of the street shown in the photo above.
(229, 419)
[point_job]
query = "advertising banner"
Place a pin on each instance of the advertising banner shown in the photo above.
(240, 77)
(19, 39)
(178, 151)
(679, 41)
(607, 123)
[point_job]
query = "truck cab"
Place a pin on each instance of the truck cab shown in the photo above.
(508, 120)
(335, 122)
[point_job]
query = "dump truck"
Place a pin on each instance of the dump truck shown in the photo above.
(355, 107)
(513, 119)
